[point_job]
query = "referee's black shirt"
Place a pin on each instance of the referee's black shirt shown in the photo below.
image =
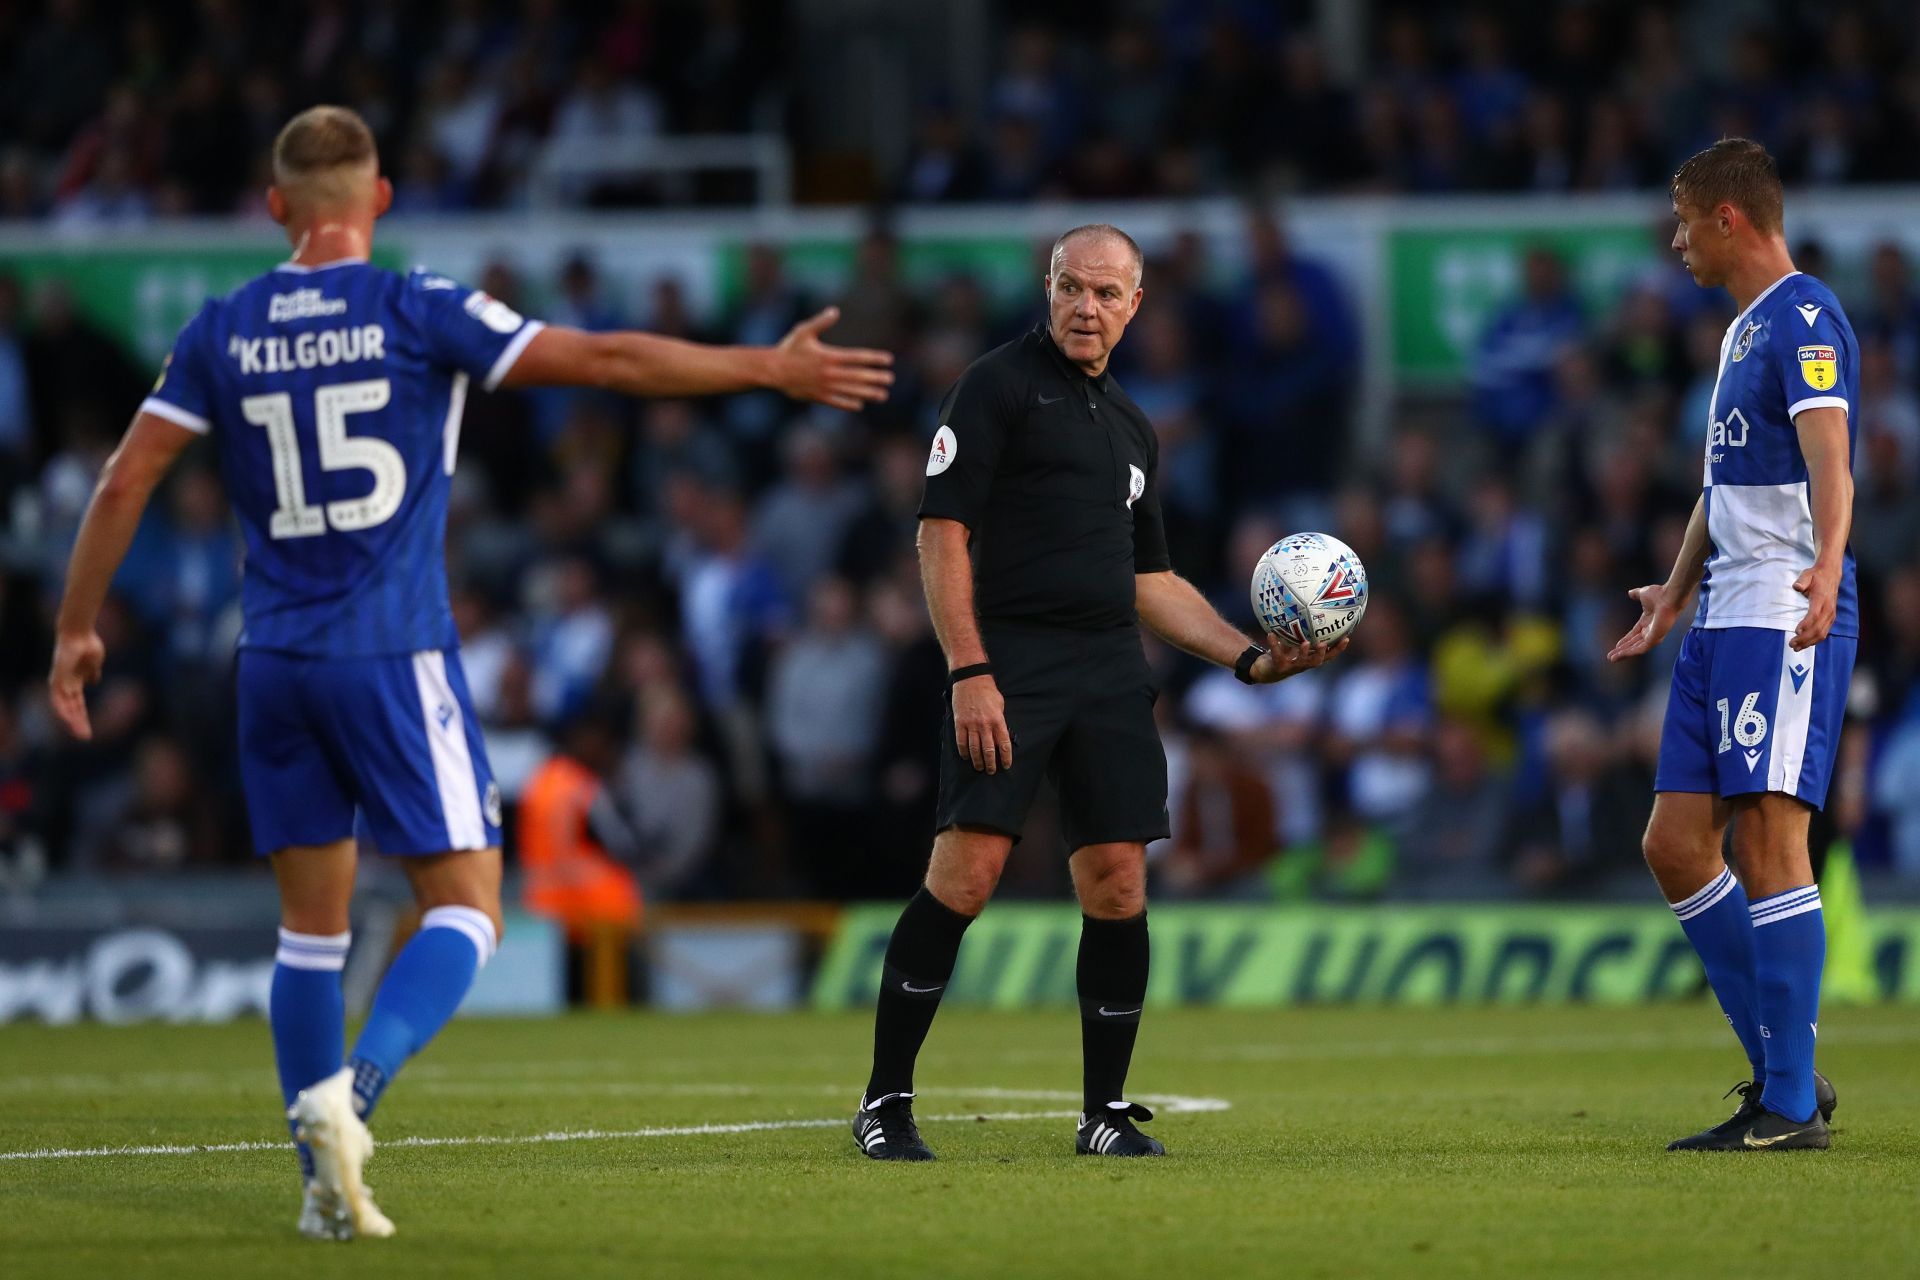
(1054, 473)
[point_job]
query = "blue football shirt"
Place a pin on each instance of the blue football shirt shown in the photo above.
(333, 395)
(1791, 350)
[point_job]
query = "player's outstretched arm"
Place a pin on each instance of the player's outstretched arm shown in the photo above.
(1823, 443)
(647, 364)
(126, 483)
(1174, 610)
(1661, 602)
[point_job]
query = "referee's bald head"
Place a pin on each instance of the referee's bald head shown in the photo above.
(1098, 232)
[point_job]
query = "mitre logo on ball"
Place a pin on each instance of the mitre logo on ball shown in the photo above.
(1309, 588)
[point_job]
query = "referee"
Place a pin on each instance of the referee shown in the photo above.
(1042, 550)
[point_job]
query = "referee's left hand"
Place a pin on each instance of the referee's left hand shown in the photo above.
(980, 724)
(1283, 658)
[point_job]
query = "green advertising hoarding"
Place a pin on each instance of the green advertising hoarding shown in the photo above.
(1004, 266)
(143, 296)
(1443, 285)
(1254, 957)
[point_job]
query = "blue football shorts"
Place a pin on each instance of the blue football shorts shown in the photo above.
(391, 740)
(1748, 714)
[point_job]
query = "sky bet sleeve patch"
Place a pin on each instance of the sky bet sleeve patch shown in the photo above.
(1819, 367)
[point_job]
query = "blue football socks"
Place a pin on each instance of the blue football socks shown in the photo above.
(307, 1014)
(425, 984)
(1717, 923)
(1789, 950)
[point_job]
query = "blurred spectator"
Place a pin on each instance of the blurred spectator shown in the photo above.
(672, 794)
(1380, 717)
(907, 750)
(1223, 833)
(1282, 377)
(1894, 790)
(769, 306)
(183, 571)
(1504, 553)
(1892, 311)
(677, 444)
(802, 521)
(731, 598)
(1886, 505)
(572, 635)
(1452, 847)
(1512, 370)
(1164, 100)
(1888, 407)
(16, 403)
(83, 386)
(574, 844)
(876, 541)
(602, 108)
(1589, 817)
(825, 696)
(150, 820)
(944, 164)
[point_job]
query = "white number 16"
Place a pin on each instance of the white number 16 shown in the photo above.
(1750, 727)
(296, 517)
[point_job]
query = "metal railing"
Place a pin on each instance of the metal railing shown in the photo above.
(567, 165)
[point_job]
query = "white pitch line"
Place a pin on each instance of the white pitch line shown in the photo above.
(1171, 1104)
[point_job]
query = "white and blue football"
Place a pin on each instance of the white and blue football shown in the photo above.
(1309, 588)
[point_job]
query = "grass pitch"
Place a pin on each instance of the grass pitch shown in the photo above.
(1341, 1142)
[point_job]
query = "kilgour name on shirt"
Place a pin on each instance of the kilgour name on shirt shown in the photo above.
(309, 350)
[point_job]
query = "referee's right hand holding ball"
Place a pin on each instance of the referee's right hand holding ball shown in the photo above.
(980, 723)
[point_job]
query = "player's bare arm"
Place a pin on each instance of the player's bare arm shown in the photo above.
(126, 484)
(1823, 442)
(1174, 610)
(1662, 603)
(647, 364)
(979, 712)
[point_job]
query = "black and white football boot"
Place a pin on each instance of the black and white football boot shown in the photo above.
(1111, 1132)
(1732, 1133)
(884, 1130)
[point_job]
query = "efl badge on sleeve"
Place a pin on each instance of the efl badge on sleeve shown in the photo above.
(1819, 367)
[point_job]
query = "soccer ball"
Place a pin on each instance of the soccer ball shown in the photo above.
(1309, 588)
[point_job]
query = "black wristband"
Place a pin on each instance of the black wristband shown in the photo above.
(958, 674)
(1243, 665)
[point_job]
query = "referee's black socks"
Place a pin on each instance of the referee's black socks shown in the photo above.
(920, 957)
(1112, 978)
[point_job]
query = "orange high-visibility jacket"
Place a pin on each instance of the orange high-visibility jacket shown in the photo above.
(569, 877)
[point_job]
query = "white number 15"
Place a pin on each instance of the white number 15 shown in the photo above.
(295, 516)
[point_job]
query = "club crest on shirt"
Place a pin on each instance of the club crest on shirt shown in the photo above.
(1819, 367)
(1744, 343)
(1136, 485)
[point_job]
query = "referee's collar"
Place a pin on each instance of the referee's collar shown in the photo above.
(1068, 367)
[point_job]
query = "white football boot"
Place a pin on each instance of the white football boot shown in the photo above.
(325, 1120)
(321, 1217)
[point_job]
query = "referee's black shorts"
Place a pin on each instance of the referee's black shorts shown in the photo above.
(1080, 710)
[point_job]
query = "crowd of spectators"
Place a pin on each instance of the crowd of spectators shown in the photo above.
(1179, 99)
(116, 111)
(730, 586)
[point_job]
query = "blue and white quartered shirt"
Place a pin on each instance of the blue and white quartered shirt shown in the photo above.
(1791, 350)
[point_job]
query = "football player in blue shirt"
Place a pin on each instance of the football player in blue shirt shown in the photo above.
(1760, 687)
(333, 392)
